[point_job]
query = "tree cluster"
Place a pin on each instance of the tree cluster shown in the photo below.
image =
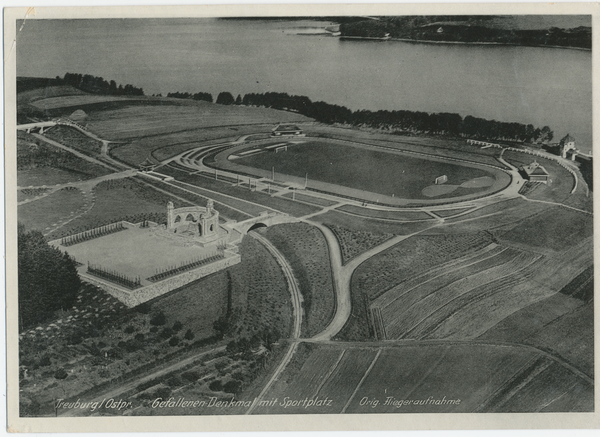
(48, 279)
(207, 97)
(98, 85)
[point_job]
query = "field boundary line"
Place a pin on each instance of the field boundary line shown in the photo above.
(361, 381)
(472, 259)
(476, 298)
(547, 404)
(329, 373)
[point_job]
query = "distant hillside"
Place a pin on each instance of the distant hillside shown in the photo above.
(514, 30)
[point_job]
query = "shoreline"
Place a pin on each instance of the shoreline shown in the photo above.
(425, 41)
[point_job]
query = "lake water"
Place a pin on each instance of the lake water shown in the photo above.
(541, 86)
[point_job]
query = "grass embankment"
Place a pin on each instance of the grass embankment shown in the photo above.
(392, 266)
(305, 247)
(166, 145)
(49, 210)
(297, 209)
(388, 215)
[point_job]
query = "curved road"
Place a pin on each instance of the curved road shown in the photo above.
(342, 275)
(297, 307)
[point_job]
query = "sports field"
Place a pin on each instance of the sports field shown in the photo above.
(389, 173)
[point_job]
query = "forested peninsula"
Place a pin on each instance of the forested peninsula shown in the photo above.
(465, 29)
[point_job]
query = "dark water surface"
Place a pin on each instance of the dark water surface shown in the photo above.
(542, 86)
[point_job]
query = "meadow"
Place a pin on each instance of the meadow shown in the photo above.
(49, 210)
(174, 115)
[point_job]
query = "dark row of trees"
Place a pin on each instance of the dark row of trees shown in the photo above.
(399, 121)
(98, 85)
(207, 97)
(48, 279)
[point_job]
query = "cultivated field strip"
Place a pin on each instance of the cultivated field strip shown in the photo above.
(425, 301)
(428, 325)
(511, 386)
(314, 373)
(476, 317)
(346, 377)
(399, 290)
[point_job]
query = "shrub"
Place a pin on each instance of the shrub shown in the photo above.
(174, 341)
(143, 308)
(191, 376)
(139, 337)
(174, 381)
(189, 335)
(177, 326)
(232, 386)
(61, 374)
(129, 329)
(216, 385)
(44, 361)
(166, 333)
(154, 329)
(158, 319)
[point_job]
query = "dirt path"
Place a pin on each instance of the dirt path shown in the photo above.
(342, 276)
(297, 306)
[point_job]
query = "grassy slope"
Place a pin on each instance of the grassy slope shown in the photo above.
(306, 249)
(48, 210)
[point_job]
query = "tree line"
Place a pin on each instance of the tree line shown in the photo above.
(401, 121)
(98, 85)
(48, 279)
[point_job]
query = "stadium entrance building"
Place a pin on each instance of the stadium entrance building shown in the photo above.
(534, 172)
(289, 130)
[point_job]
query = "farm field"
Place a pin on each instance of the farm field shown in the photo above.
(410, 378)
(416, 312)
(566, 228)
(47, 211)
(174, 115)
(365, 169)
(304, 246)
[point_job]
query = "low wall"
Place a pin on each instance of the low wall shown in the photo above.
(135, 297)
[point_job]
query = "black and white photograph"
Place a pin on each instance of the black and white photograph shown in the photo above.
(369, 213)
